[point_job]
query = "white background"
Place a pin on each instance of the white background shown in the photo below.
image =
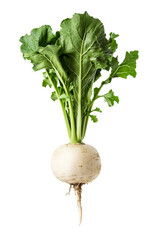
(119, 204)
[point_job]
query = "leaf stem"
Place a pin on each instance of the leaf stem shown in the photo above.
(73, 129)
(79, 113)
(85, 124)
(63, 108)
(86, 119)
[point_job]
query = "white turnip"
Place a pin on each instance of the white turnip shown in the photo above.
(73, 59)
(76, 164)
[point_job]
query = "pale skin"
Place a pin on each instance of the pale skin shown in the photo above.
(76, 164)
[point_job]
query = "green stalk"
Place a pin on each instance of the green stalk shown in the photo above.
(73, 132)
(79, 113)
(85, 123)
(63, 108)
(108, 80)
(73, 129)
(66, 119)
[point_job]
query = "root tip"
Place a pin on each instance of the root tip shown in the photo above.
(78, 190)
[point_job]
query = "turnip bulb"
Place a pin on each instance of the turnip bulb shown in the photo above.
(76, 164)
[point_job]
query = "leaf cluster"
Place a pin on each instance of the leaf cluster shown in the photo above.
(73, 59)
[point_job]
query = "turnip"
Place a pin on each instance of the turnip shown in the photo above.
(73, 59)
(76, 164)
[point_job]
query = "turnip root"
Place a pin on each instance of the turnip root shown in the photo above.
(76, 164)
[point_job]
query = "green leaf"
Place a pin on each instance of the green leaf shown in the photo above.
(46, 82)
(83, 46)
(97, 110)
(51, 55)
(113, 35)
(50, 79)
(114, 64)
(97, 74)
(39, 37)
(112, 42)
(36, 48)
(127, 67)
(93, 118)
(70, 88)
(55, 39)
(54, 96)
(64, 96)
(96, 90)
(59, 94)
(110, 98)
(39, 62)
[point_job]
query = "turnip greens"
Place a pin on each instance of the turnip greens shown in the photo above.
(72, 60)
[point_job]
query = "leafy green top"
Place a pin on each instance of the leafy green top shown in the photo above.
(73, 59)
